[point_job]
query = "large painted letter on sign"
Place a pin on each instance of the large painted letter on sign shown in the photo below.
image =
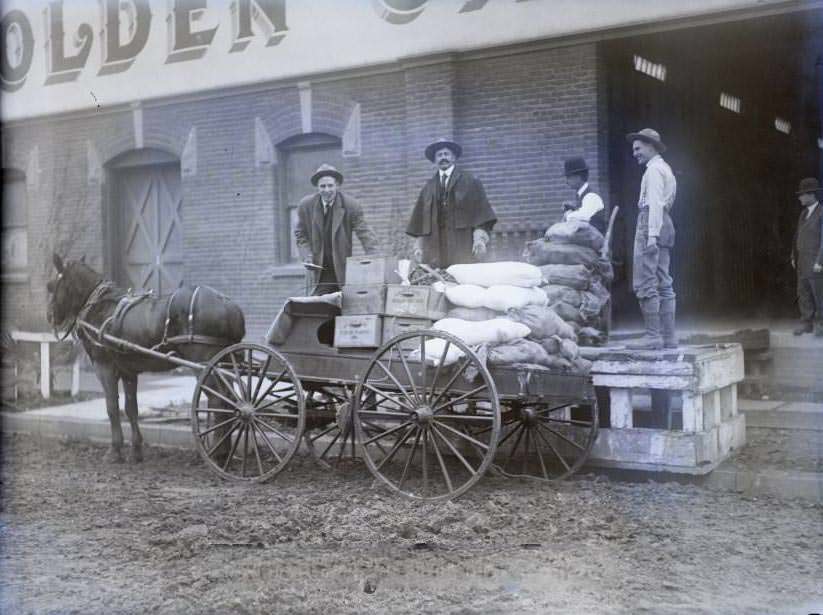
(118, 57)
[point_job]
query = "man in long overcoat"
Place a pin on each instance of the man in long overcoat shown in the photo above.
(325, 224)
(807, 258)
(452, 217)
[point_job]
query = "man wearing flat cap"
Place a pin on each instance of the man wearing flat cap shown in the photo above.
(588, 206)
(653, 241)
(452, 217)
(807, 258)
(325, 223)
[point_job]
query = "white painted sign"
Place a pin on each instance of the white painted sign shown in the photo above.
(67, 55)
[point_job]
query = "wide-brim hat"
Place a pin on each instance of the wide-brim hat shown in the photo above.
(326, 170)
(573, 166)
(647, 135)
(808, 185)
(432, 149)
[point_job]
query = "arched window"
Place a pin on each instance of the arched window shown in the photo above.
(299, 158)
(15, 225)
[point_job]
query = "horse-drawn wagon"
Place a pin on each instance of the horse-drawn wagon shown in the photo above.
(424, 411)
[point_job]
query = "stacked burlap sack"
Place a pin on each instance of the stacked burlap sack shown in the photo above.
(576, 277)
(502, 309)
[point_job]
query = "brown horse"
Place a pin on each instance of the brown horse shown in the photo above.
(193, 323)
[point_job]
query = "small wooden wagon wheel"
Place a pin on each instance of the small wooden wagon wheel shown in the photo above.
(546, 442)
(414, 416)
(248, 412)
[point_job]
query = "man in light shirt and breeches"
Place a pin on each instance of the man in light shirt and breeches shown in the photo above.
(653, 241)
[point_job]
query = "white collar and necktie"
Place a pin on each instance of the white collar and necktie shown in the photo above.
(445, 176)
(810, 210)
(327, 206)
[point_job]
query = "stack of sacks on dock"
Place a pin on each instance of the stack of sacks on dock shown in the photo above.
(576, 277)
(502, 308)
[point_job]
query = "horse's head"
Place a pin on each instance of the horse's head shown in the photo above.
(69, 290)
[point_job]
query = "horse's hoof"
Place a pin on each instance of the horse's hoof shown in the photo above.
(136, 455)
(114, 456)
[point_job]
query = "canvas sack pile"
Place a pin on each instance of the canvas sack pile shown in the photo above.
(576, 277)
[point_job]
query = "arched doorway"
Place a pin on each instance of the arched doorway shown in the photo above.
(146, 228)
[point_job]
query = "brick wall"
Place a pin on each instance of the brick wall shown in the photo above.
(517, 117)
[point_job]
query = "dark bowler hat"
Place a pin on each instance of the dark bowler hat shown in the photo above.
(647, 135)
(325, 170)
(431, 150)
(808, 185)
(573, 166)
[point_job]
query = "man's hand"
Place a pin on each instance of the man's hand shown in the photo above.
(481, 238)
(417, 250)
(817, 268)
(569, 206)
(651, 242)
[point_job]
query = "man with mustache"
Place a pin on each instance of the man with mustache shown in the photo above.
(452, 218)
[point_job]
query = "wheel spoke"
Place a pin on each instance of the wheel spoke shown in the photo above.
(451, 402)
(451, 381)
(377, 391)
(277, 415)
(383, 413)
(211, 391)
(260, 375)
(555, 451)
(386, 433)
(454, 451)
(279, 400)
(418, 397)
(566, 439)
(274, 383)
(463, 435)
(261, 423)
(553, 408)
(396, 382)
(423, 396)
(439, 364)
(268, 442)
(409, 459)
(234, 447)
(236, 369)
(218, 426)
(229, 386)
(322, 433)
(466, 417)
(256, 452)
(568, 422)
(330, 444)
(396, 447)
(442, 465)
(216, 411)
(245, 451)
(521, 428)
(510, 434)
(526, 449)
(249, 366)
(425, 453)
(540, 456)
(221, 440)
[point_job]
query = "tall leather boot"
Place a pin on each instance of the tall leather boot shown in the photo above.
(651, 339)
(667, 310)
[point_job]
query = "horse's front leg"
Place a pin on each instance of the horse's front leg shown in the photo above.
(130, 389)
(108, 376)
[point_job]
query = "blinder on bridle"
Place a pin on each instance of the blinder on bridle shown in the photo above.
(52, 286)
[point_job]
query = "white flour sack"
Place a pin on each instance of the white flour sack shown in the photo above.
(466, 295)
(434, 352)
(502, 298)
(495, 331)
(508, 273)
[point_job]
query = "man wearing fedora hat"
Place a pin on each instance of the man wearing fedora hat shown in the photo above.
(807, 258)
(653, 241)
(325, 223)
(452, 217)
(588, 205)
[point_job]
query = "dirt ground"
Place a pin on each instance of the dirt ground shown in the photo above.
(165, 536)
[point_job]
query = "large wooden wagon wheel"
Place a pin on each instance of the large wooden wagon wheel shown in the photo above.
(546, 442)
(248, 412)
(414, 419)
(330, 435)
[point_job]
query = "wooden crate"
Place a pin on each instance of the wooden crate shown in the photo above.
(395, 325)
(371, 270)
(360, 331)
(415, 301)
(363, 300)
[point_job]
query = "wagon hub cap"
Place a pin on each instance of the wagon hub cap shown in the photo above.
(423, 415)
(246, 412)
(529, 416)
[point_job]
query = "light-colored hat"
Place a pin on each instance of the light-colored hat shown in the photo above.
(325, 170)
(647, 135)
(808, 185)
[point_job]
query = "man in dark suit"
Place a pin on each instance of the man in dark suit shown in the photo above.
(325, 223)
(587, 206)
(807, 258)
(452, 217)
